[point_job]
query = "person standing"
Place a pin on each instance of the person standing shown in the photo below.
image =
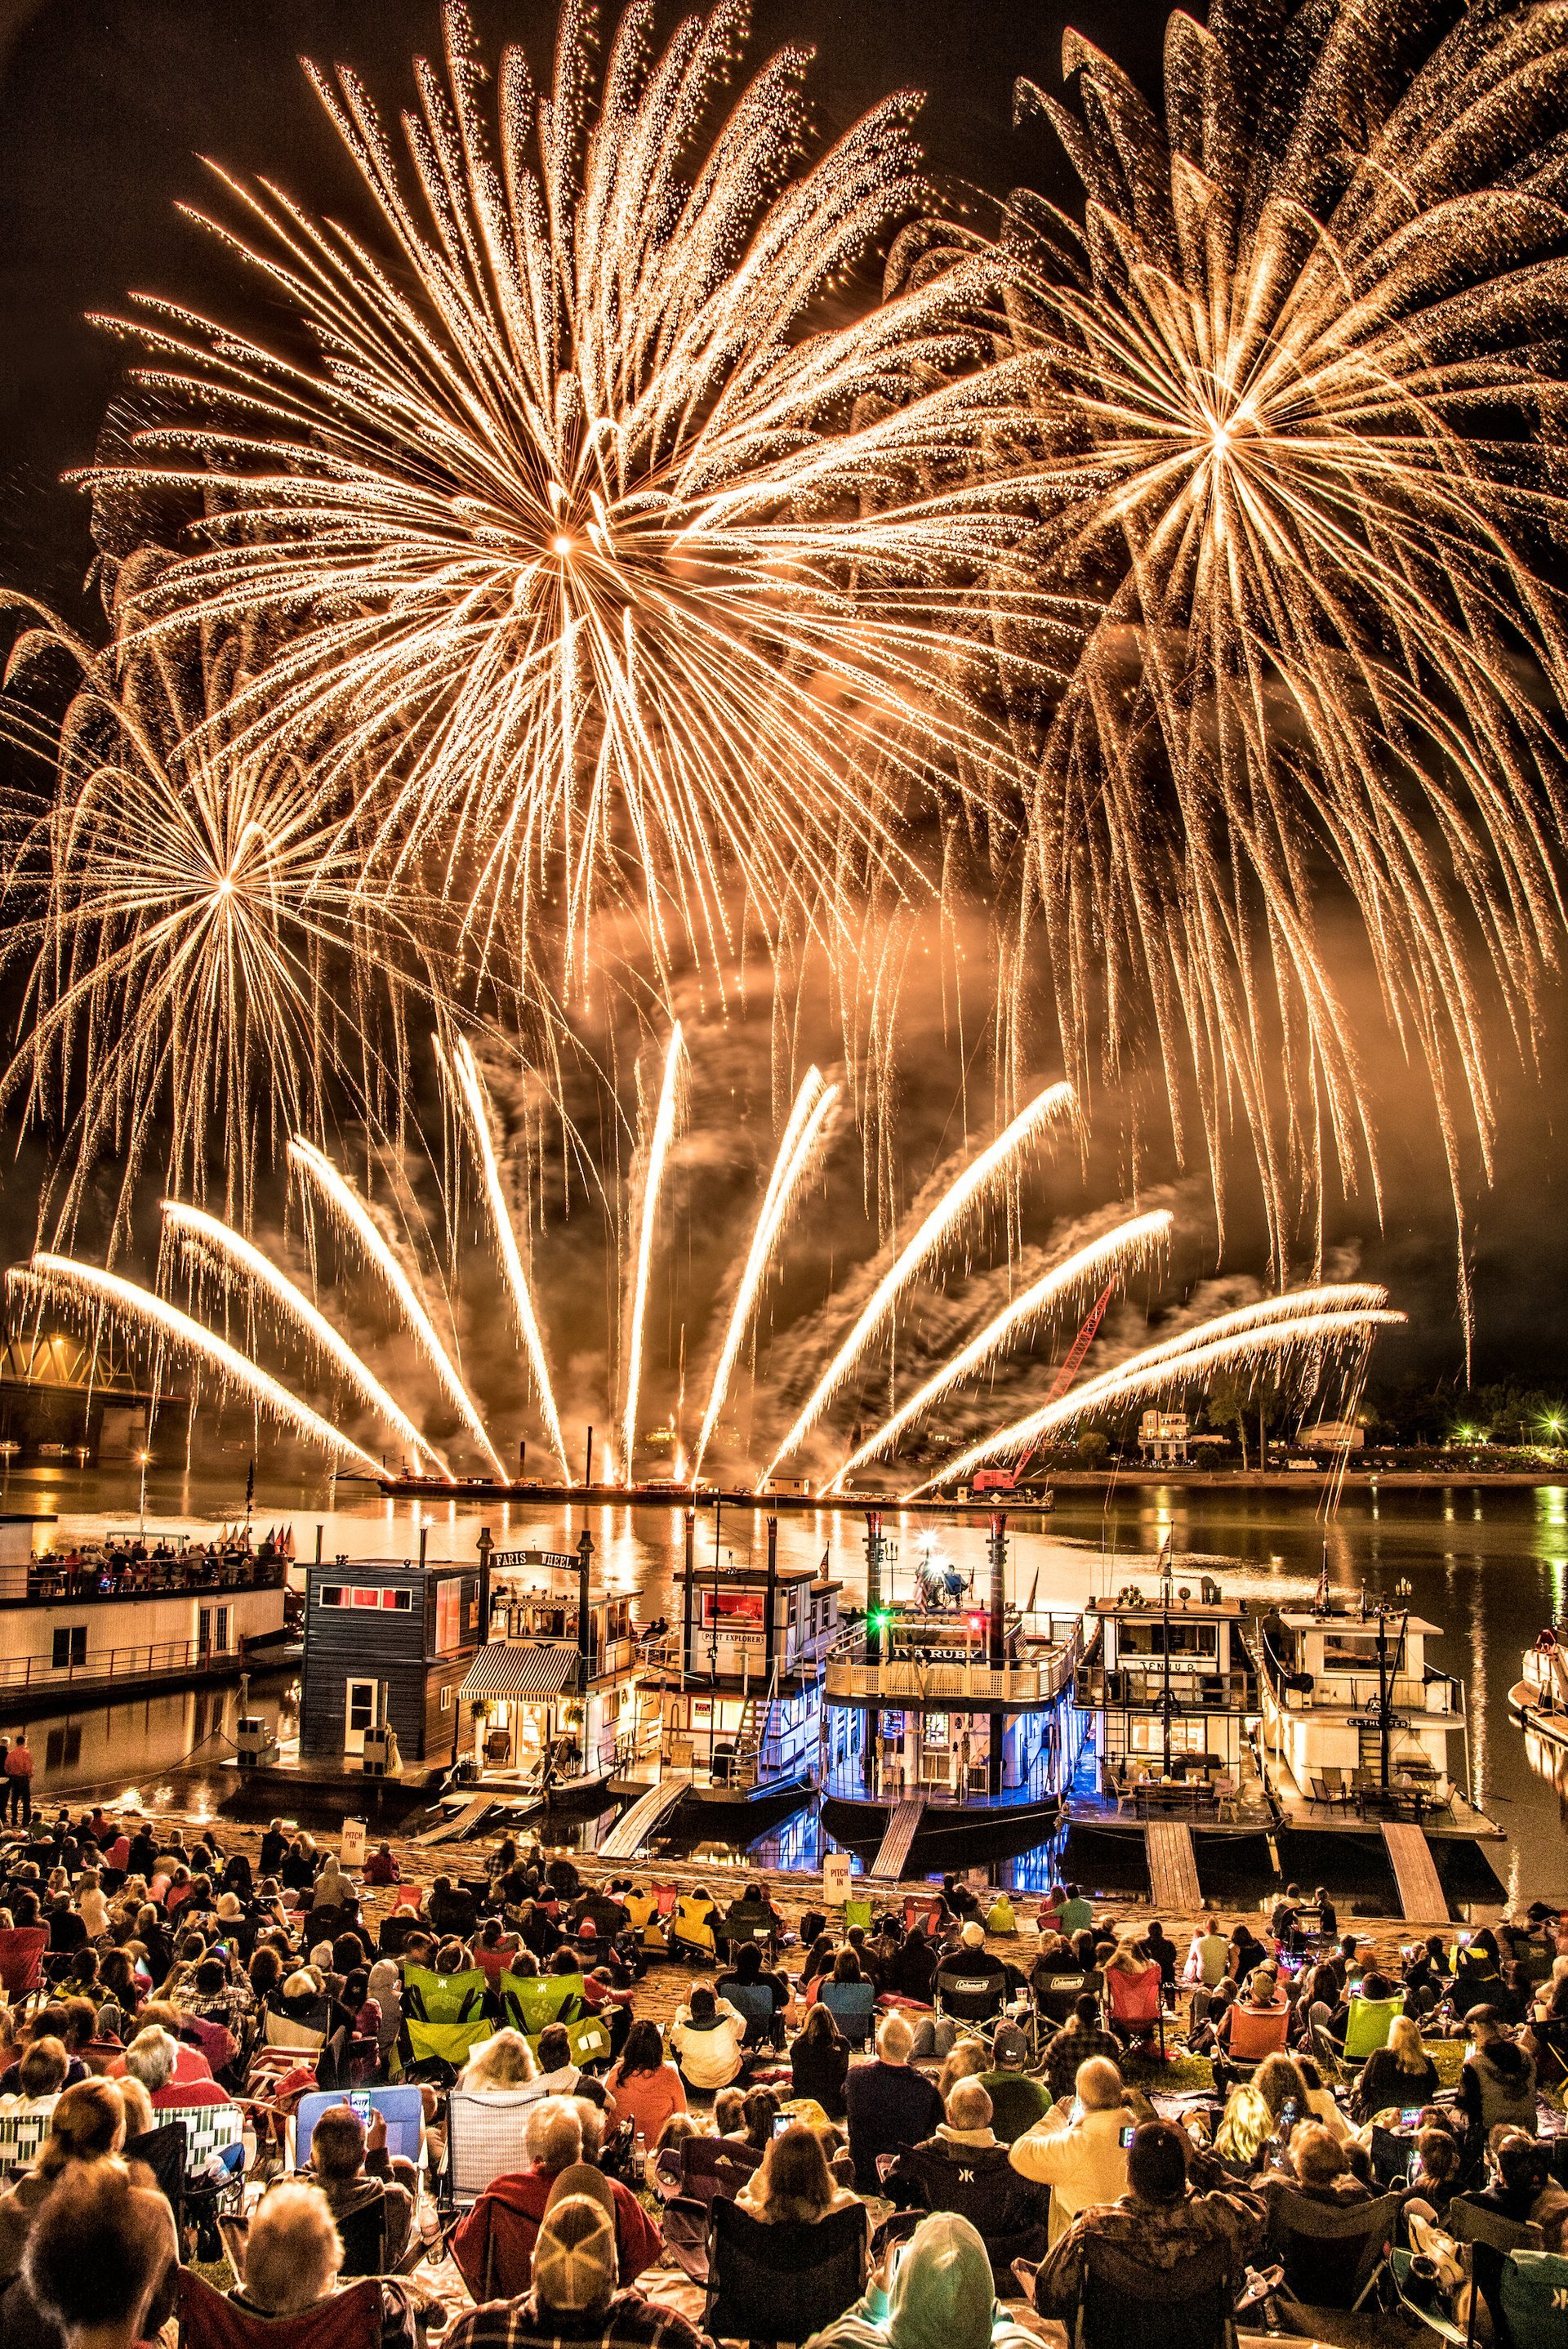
(19, 1780)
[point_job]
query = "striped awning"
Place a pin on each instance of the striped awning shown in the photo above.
(505, 1669)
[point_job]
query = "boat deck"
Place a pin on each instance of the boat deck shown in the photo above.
(1367, 1810)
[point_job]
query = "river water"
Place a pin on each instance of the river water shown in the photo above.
(1490, 1566)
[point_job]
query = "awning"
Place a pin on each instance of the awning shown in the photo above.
(506, 1669)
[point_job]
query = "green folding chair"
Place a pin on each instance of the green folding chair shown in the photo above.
(445, 2015)
(1367, 2026)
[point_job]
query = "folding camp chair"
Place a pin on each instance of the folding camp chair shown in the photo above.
(754, 2000)
(347, 2320)
(1493, 2240)
(1532, 2296)
(487, 2138)
(1121, 2299)
(445, 2016)
(1253, 2035)
(780, 2283)
(1366, 2029)
(21, 1949)
(531, 2002)
(1331, 2257)
(1134, 2008)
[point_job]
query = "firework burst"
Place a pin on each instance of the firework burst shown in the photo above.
(626, 578)
(1290, 373)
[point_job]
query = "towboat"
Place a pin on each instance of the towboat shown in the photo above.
(949, 1733)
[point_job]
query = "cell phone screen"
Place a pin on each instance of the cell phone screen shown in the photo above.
(358, 2102)
(1127, 2135)
(780, 2123)
(1410, 2115)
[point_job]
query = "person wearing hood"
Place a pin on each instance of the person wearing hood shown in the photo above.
(1497, 2081)
(935, 2291)
(1159, 2222)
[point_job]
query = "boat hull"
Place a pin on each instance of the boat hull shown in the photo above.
(950, 1835)
(1525, 1705)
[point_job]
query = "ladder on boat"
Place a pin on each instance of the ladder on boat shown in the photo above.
(647, 1811)
(1421, 1897)
(898, 1839)
(1172, 1869)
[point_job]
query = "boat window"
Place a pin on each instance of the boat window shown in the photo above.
(1148, 1637)
(1148, 1736)
(366, 1594)
(449, 1615)
(1357, 1651)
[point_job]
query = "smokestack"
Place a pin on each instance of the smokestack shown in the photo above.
(998, 1551)
(770, 1600)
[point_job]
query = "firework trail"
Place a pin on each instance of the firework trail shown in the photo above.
(803, 1133)
(1118, 1252)
(1295, 429)
(618, 569)
(206, 1237)
(66, 1282)
(960, 1197)
(1309, 1320)
(351, 1213)
(663, 1134)
(464, 1074)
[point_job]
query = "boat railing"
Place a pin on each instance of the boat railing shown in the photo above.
(147, 1659)
(907, 1677)
(1437, 1693)
(1121, 1685)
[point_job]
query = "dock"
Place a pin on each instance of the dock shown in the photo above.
(651, 1808)
(1173, 1886)
(1422, 1901)
(898, 1842)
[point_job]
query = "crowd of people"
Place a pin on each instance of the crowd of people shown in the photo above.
(952, 2105)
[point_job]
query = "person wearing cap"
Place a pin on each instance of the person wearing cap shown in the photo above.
(1017, 2102)
(1159, 2222)
(935, 2292)
(497, 2237)
(573, 2292)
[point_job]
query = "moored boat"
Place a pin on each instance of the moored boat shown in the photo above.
(1539, 1698)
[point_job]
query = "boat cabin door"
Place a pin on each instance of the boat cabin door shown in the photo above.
(360, 1714)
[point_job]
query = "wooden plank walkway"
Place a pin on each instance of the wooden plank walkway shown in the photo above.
(637, 1822)
(448, 1829)
(1173, 1868)
(903, 1825)
(1422, 1901)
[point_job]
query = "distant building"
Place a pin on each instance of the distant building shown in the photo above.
(1162, 1435)
(1333, 1435)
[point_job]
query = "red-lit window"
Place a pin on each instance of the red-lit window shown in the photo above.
(449, 1615)
(384, 1594)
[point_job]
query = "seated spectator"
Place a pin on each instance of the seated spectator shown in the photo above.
(291, 2258)
(1077, 1914)
(1279, 2082)
(1497, 2081)
(1079, 2041)
(1400, 2074)
(1017, 2102)
(706, 2039)
(935, 2291)
(510, 2207)
(381, 1868)
(1318, 2166)
(1523, 2187)
(1435, 2179)
(791, 2185)
(558, 2075)
(1477, 1972)
(1320, 2101)
(150, 2058)
(913, 1969)
(643, 2087)
(889, 2104)
(99, 2256)
(749, 1974)
(820, 2062)
(1077, 2149)
(353, 2169)
(1207, 1954)
(42, 2073)
(1158, 2222)
(87, 2124)
(500, 2066)
(572, 2291)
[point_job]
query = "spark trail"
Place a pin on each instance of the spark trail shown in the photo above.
(961, 1195)
(1300, 1320)
(1118, 1251)
(801, 1135)
(67, 1282)
(350, 1211)
(204, 1235)
(659, 1143)
(464, 1074)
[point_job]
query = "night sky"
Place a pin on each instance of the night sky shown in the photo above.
(104, 108)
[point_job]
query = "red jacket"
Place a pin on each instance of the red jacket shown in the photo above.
(493, 2247)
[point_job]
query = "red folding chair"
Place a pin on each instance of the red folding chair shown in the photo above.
(348, 2319)
(1133, 2006)
(1251, 2033)
(21, 1949)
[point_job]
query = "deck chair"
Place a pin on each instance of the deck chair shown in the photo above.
(968, 1997)
(1121, 2299)
(486, 2139)
(850, 2005)
(21, 1949)
(1331, 2257)
(754, 2002)
(445, 2016)
(691, 1935)
(1493, 2240)
(1056, 1996)
(531, 2002)
(1367, 2026)
(303, 2038)
(23, 2131)
(1255, 2034)
(209, 2319)
(1134, 2008)
(1532, 2299)
(780, 2283)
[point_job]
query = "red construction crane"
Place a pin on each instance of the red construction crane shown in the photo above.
(1062, 1381)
